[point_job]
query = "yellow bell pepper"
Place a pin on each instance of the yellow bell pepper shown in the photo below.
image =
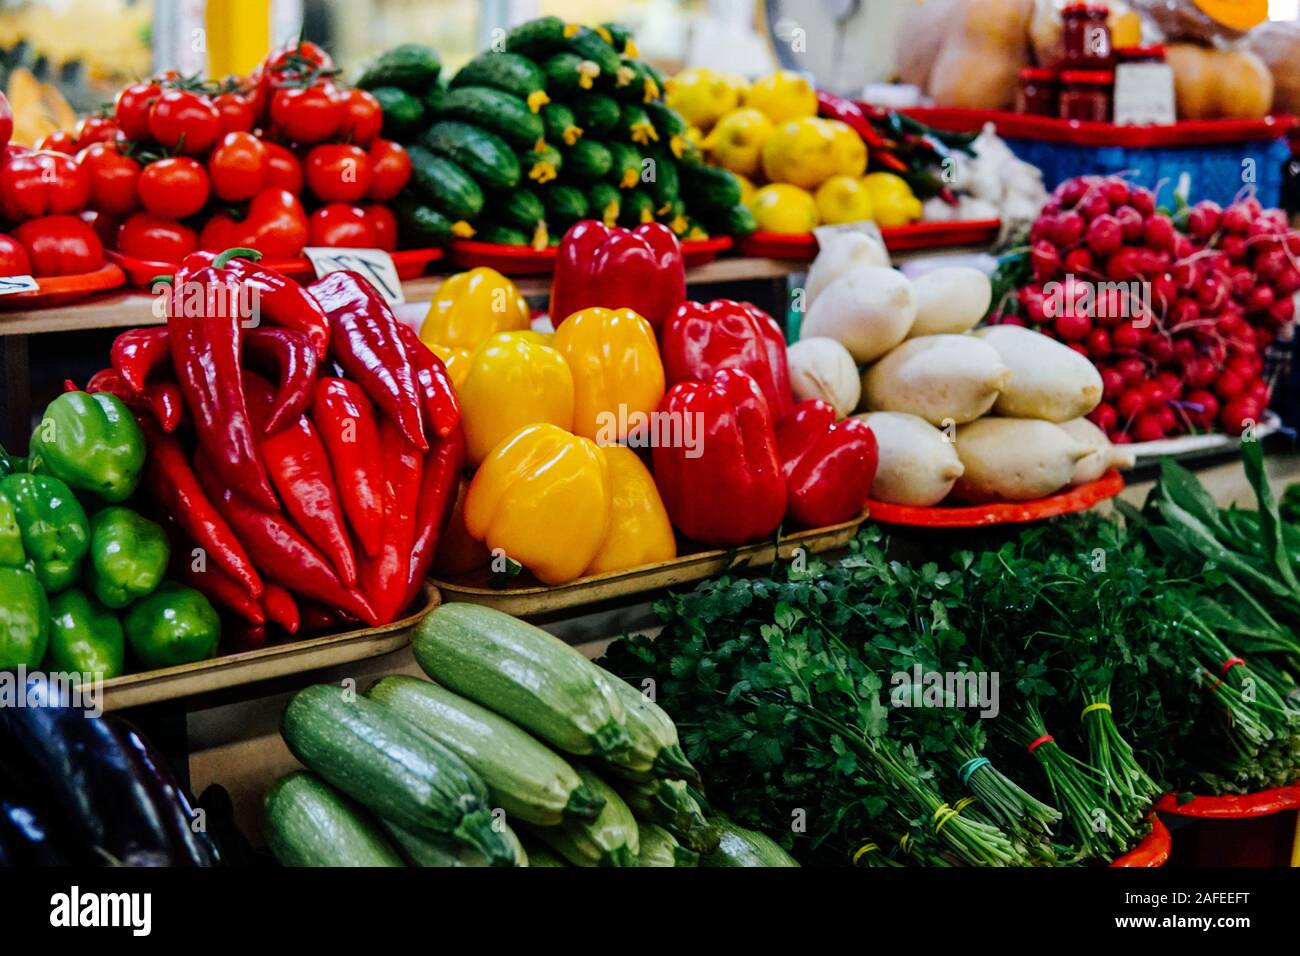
(617, 375)
(457, 360)
(543, 499)
(513, 381)
(639, 530)
(470, 307)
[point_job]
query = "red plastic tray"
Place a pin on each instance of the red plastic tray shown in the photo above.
(1010, 512)
(1153, 851)
(1076, 133)
(526, 261)
(922, 235)
(410, 263)
(64, 290)
(1234, 806)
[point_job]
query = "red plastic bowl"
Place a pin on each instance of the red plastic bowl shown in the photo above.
(1153, 851)
(922, 235)
(1010, 512)
(410, 263)
(64, 290)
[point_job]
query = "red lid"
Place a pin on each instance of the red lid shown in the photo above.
(1141, 52)
(1087, 9)
(1088, 77)
(1037, 73)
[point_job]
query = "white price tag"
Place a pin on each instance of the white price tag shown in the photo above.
(1144, 95)
(375, 264)
(13, 285)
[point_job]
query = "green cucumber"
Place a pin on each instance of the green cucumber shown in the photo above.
(560, 125)
(482, 154)
(619, 37)
(625, 173)
(432, 100)
(638, 209)
(658, 848)
(656, 750)
(521, 208)
(565, 205)
(389, 766)
(499, 235)
(708, 187)
(569, 75)
(524, 777)
(411, 66)
(609, 840)
(524, 674)
(590, 45)
(422, 225)
(635, 82)
(667, 121)
(502, 113)
(670, 804)
(428, 852)
(736, 221)
(634, 125)
(672, 215)
(308, 823)
(507, 72)
(665, 185)
(404, 113)
(587, 160)
(596, 113)
(740, 847)
(540, 37)
(444, 185)
(542, 163)
(604, 203)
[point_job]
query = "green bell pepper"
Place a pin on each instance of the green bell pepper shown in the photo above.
(128, 556)
(24, 619)
(12, 554)
(92, 442)
(56, 533)
(174, 625)
(85, 637)
(10, 464)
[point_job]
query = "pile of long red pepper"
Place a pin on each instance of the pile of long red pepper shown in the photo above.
(312, 502)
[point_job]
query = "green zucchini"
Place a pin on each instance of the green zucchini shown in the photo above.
(539, 854)
(444, 185)
(625, 173)
(428, 852)
(540, 37)
(634, 125)
(384, 763)
(709, 187)
(587, 160)
(568, 75)
(502, 113)
(524, 674)
(740, 847)
(670, 804)
(524, 777)
(560, 125)
(308, 823)
(500, 235)
(638, 209)
(507, 72)
(482, 154)
(565, 205)
(665, 185)
(590, 45)
(422, 225)
(404, 113)
(658, 848)
(656, 750)
(604, 202)
(542, 163)
(596, 113)
(411, 66)
(737, 221)
(609, 840)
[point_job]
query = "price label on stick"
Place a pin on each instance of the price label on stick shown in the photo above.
(375, 264)
(13, 285)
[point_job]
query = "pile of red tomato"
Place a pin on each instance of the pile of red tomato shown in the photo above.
(279, 160)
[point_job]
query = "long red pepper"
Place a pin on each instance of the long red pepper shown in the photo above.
(243, 636)
(384, 576)
(441, 409)
(346, 422)
(299, 468)
(206, 353)
(365, 341)
(174, 486)
(137, 353)
(314, 617)
(851, 114)
(281, 608)
(279, 551)
(163, 400)
(291, 354)
(220, 589)
(439, 482)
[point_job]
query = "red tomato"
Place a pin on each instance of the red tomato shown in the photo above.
(311, 115)
(39, 184)
(342, 226)
(113, 178)
(174, 188)
(384, 224)
(276, 225)
(157, 240)
(185, 121)
(236, 112)
(61, 246)
(95, 129)
(60, 141)
(390, 169)
(238, 167)
(291, 62)
(132, 109)
(363, 118)
(6, 121)
(13, 258)
(283, 169)
(105, 226)
(338, 173)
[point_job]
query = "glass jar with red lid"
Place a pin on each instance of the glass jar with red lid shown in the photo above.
(1087, 95)
(1085, 37)
(1038, 92)
(1155, 53)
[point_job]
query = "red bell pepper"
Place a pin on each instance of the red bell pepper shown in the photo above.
(721, 483)
(828, 465)
(137, 353)
(441, 409)
(439, 482)
(14, 260)
(384, 576)
(163, 400)
(365, 340)
(639, 269)
(276, 225)
(42, 183)
(60, 246)
(347, 424)
(703, 337)
(6, 121)
(290, 353)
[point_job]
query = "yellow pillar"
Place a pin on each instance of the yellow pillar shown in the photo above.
(239, 35)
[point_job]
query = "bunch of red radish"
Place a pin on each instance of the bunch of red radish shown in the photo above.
(1176, 312)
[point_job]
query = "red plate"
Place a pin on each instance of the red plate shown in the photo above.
(1234, 806)
(703, 251)
(921, 235)
(410, 264)
(527, 261)
(1152, 851)
(413, 263)
(64, 290)
(1007, 512)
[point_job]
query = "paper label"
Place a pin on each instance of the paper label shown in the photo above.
(1144, 95)
(375, 264)
(13, 285)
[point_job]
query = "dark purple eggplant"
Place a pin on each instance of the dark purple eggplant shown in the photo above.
(113, 790)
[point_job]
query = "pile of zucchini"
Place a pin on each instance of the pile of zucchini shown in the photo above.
(563, 124)
(517, 730)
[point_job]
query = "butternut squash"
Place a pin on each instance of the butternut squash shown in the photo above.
(979, 64)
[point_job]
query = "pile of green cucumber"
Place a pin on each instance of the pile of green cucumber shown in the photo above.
(519, 751)
(564, 123)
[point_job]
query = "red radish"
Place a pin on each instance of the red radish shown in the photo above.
(1143, 200)
(1203, 407)
(1230, 385)
(1185, 312)
(1236, 220)
(1168, 419)
(1116, 191)
(1066, 229)
(1239, 414)
(1076, 347)
(1011, 320)
(1271, 264)
(1105, 235)
(1098, 344)
(1184, 247)
(1033, 301)
(1094, 205)
(1071, 191)
(1131, 404)
(1160, 348)
(1148, 427)
(1283, 311)
(1131, 223)
(1203, 220)
(1288, 281)
(1158, 233)
(1105, 417)
(1131, 369)
(1200, 372)
(1235, 247)
(1072, 327)
(1125, 265)
(1112, 383)
(1261, 299)
(1126, 337)
(1046, 261)
(1079, 261)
